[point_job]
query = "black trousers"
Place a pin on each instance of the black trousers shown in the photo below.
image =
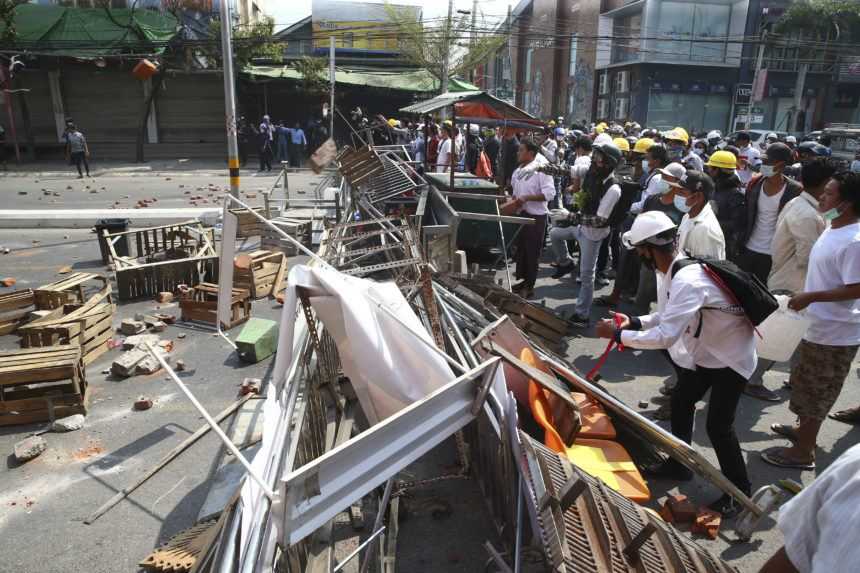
(80, 158)
(529, 245)
(266, 157)
(756, 263)
(726, 387)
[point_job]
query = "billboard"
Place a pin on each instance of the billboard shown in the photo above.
(357, 26)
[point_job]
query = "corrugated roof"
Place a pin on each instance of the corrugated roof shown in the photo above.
(476, 104)
(404, 80)
(90, 32)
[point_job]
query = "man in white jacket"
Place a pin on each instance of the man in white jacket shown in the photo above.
(699, 234)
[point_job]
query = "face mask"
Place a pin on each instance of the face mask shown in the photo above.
(645, 169)
(663, 187)
(649, 262)
(674, 153)
(681, 204)
(767, 170)
(699, 151)
(831, 214)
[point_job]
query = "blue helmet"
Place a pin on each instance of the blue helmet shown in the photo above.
(813, 148)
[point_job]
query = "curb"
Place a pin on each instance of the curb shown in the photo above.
(86, 218)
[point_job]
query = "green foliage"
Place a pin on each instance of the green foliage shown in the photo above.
(312, 71)
(7, 19)
(249, 42)
(821, 20)
(429, 46)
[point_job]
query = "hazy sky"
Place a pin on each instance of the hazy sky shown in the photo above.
(286, 12)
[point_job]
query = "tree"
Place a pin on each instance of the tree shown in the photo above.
(428, 47)
(250, 41)
(7, 19)
(312, 71)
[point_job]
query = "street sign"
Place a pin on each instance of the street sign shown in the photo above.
(759, 84)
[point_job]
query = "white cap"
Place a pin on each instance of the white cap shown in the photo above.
(675, 170)
(771, 135)
(647, 226)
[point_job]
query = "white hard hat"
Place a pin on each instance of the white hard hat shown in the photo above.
(474, 129)
(675, 170)
(771, 136)
(646, 227)
(791, 139)
(715, 134)
(603, 139)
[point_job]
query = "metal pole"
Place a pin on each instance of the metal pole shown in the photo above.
(229, 99)
(447, 45)
(331, 81)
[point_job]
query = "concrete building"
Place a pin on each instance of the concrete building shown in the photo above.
(669, 62)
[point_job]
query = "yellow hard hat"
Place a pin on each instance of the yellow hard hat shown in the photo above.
(392, 122)
(723, 160)
(643, 145)
(601, 127)
(676, 134)
(447, 122)
(552, 123)
(621, 144)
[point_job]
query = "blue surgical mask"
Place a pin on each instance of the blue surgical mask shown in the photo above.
(831, 214)
(767, 170)
(675, 153)
(663, 187)
(681, 204)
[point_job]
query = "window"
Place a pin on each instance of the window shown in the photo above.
(622, 81)
(621, 108)
(682, 24)
(697, 112)
(627, 30)
(602, 109)
(574, 46)
(529, 54)
(348, 39)
(603, 88)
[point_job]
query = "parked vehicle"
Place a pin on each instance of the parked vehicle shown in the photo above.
(844, 140)
(757, 136)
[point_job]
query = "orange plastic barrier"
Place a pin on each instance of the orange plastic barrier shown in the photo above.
(595, 421)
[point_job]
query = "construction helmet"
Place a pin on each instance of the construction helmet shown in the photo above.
(677, 134)
(600, 128)
(643, 145)
(714, 136)
(723, 160)
(392, 122)
(645, 229)
(610, 152)
(551, 123)
(621, 144)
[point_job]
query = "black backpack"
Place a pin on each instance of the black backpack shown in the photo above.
(743, 288)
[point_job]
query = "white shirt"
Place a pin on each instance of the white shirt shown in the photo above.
(726, 337)
(527, 181)
(604, 209)
(549, 149)
(752, 154)
(580, 167)
(798, 227)
(765, 221)
(834, 262)
(652, 188)
(820, 524)
(702, 236)
(443, 159)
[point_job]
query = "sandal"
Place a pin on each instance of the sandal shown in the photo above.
(850, 416)
(785, 430)
(776, 458)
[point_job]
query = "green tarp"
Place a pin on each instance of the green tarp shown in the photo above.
(90, 32)
(390, 79)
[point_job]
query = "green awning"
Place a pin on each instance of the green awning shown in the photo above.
(90, 32)
(391, 79)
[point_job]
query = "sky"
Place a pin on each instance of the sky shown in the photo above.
(286, 12)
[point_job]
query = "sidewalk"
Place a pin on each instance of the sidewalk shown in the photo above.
(177, 167)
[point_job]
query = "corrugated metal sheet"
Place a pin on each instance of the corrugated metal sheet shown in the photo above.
(501, 109)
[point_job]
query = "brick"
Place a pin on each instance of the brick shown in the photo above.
(8, 282)
(164, 297)
(707, 523)
(683, 510)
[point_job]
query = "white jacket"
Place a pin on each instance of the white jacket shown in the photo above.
(798, 227)
(702, 236)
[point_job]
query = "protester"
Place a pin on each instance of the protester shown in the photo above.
(508, 158)
(282, 133)
(532, 190)
(766, 196)
(831, 297)
(445, 158)
(492, 143)
(699, 234)
(267, 140)
(246, 134)
(728, 202)
(549, 146)
(708, 339)
(298, 142)
(591, 226)
(749, 157)
(474, 147)
(77, 150)
(819, 525)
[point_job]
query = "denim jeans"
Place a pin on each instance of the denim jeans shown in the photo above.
(588, 250)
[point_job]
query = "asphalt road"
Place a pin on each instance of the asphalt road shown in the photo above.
(43, 502)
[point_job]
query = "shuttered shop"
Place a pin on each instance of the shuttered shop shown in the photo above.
(105, 104)
(191, 109)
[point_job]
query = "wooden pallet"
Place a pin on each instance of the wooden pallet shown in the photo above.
(69, 290)
(14, 308)
(262, 275)
(161, 258)
(298, 229)
(358, 166)
(180, 553)
(201, 304)
(41, 384)
(248, 224)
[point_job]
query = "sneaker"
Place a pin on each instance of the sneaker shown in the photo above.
(562, 270)
(726, 505)
(600, 282)
(670, 469)
(578, 321)
(762, 393)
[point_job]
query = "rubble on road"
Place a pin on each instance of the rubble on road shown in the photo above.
(143, 403)
(69, 423)
(130, 327)
(30, 448)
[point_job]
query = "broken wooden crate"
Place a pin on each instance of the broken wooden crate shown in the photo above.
(14, 308)
(73, 289)
(299, 229)
(88, 326)
(247, 224)
(261, 273)
(41, 384)
(162, 258)
(200, 304)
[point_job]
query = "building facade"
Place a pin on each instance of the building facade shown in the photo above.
(669, 63)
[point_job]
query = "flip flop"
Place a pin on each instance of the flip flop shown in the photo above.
(775, 458)
(850, 416)
(785, 430)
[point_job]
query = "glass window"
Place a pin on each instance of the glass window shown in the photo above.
(710, 22)
(675, 29)
(574, 45)
(696, 112)
(681, 24)
(626, 30)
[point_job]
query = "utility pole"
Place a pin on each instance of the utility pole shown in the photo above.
(331, 81)
(229, 99)
(474, 36)
(447, 51)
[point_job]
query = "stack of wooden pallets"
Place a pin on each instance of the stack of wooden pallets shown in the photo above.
(201, 304)
(14, 308)
(261, 273)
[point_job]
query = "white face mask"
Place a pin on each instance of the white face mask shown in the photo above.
(855, 166)
(645, 168)
(767, 170)
(663, 187)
